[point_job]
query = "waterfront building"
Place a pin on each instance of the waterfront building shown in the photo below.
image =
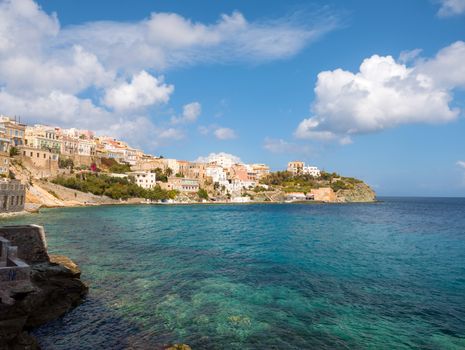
(144, 179)
(181, 184)
(12, 195)
(4, 152)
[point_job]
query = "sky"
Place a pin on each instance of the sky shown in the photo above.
(371, 89)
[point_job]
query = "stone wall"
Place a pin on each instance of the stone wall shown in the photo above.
(30, 240)
(324, 194)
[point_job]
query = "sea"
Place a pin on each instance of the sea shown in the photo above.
(384, 275)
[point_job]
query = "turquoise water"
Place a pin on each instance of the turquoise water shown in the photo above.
(389, 275)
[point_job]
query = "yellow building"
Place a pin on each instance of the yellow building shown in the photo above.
(295, 167)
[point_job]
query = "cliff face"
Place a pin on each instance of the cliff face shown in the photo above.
(360, 193)
(53, 289)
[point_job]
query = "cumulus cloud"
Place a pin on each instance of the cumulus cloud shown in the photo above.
(384, 94)
(224, 134)
(461, 164)
(144, 90)
(105, 74)
(451, 8)
(213, 156)
(190, 113)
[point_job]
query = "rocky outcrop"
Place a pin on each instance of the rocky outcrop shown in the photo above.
(54, 288)
(360, 193)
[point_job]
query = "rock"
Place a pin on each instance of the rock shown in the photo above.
(360, 193)
(54, 288)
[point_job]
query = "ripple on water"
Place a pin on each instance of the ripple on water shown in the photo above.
(382, 276)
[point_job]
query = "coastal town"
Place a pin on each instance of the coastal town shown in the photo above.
(43, 165)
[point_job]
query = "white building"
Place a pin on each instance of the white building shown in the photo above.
(217, 174)
(144, 179)
(311, 170)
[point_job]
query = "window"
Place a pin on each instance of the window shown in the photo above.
(38, 155)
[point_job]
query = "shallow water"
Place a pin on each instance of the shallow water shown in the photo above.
(357, 276)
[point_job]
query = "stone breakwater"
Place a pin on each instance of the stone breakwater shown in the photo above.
(52, 288)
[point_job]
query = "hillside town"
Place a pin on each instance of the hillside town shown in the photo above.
(35, 157)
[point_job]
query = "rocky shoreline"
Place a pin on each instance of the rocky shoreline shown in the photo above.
(54, 288)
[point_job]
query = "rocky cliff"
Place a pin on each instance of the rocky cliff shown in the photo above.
(361, 192)
(53, 289)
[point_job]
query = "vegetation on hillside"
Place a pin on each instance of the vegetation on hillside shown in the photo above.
(305, 183)
(64, 163)
(116, 188)
(162, 175)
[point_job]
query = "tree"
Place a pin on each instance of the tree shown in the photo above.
(168, 172)
(64, 163)
(202, 193)
(14, 151)
(120, 168)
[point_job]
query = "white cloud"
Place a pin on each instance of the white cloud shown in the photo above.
(451, 8)
(171, 133)
(213, 156)
(384, 94)
(168, 39)
(92, 75)
(224, 134)
(461, 164)
(56, 107)
(190, 113)
(280, 146)
(144, 90)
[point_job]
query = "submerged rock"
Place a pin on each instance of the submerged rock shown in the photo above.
(179, 347)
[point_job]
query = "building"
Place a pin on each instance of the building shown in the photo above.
(299, 168)
(295, 167)
(261, 170)
(12, 195)
(45, 160)
(181, 184)
(144, 179)
(43, 137)
(217, 174)
(298, 196)
(4, 152)
(86, 147)
(223, 160)
(311, 170)
(15, 131)
(69, 145)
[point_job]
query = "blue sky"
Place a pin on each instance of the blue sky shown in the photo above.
(184, 79)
